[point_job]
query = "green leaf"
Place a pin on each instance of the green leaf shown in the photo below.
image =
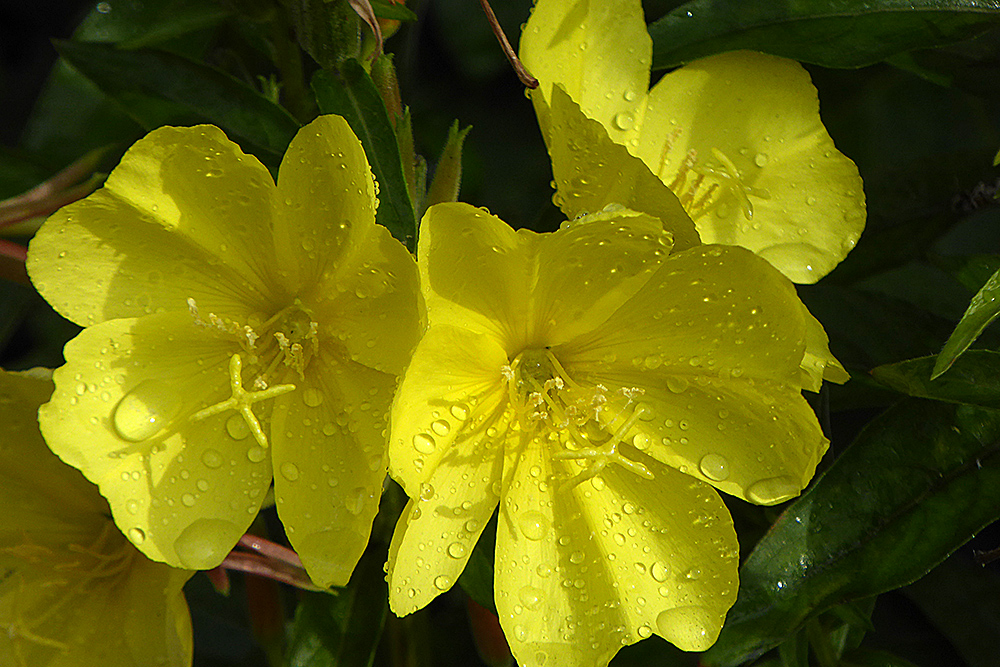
(138, 24)
(866, 657)
(832, 33)
(982, 310)
(350, 93)
(918, 482)
(448, 172)
(328, 30)
(973, 271)
(386, 10)
(973, 380)
(342, 629)
(158, 88)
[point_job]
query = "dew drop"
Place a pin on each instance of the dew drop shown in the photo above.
(132, 507)
(687, 627)
(204, 543)
(236, 427)
(442, 582)
(677, 384)
(644, 631)
(772, 490)
(188, 500)
(760, 160)
(289, 471)
(256, 454)
(312, 397)
(624, 120)
(355, 500)
(714, 466)
(137, 535)
(459, 412)
(441, 427)
(659, 571)
(211, 458)
(145, 410)
(640, 441)
(576, 557)
(533, 525)
(424, 443)
(456, 550)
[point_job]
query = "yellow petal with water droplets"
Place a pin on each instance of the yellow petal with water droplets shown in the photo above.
(758, 115)
(599, 52)
(819, 364)
(325, 204)
(581, 572)
(328, 441)
(74, 590)
(182, 490)
(185, 215)
(592, 172)
(448, 421)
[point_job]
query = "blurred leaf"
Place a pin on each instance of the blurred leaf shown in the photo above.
(972, 271)
(963, 601)
(448, 173)
(158, 88)
(832, 33)
(973, 380)
(865, 657)
(916, 484)
(137, 24)
(342, 629)
(982, 310)
(328, 30)
(387, 10)
(350, 93)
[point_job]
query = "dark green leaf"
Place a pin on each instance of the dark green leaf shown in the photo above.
(972, 270)
(342, 629)
(328, 30)
(351, 94)
(865, 657)
(983, 309)
(917, 483)
(832, 33)
(138, 24)
(973, 380)
(157, 88)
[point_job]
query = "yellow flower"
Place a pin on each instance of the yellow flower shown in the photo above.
(737, 136)
(596, 385)
(233, 327)
(73, 591)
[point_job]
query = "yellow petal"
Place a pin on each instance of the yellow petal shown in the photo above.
(182, 489)
(329, 460)
(592, 172)
(818, 363)
(325, 204)
(582, 571)
(185, 215)
(446, 424)
(714, 343)
(599, 52)
(475, 271)
(760, 114)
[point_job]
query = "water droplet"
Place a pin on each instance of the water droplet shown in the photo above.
(256, 454)
(426, 491)
(660, 571)
(640, 441)
(212, 459)
(714, 466)
(441, 427)
(236, 427)
(137, 535)
(772, 490)
(424, 443)
(204, 543)
(693, 574)
(576, 557)
(145, 410)
(202, 485)
(456, 550)
(188, 500)
(442, 582)
(459, 412)
(760, 160)
(289, 471)
(688, 627)
(810, 200)
(644, 631)
(624, 120)
(677, 384)
(534, 525)
(312, 397)
(355, 500)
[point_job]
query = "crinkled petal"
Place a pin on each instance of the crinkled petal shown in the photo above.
(185, 215)
(446, 424)
(592, 172)
(819, 364)
(713, 343)
(325, 205)
(328, 440)
(475, 271)
(373, 307)
(182, 489)
(599, 52)
(761, 113)
(582, 571)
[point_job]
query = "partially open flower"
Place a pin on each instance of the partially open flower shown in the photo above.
(73, 591)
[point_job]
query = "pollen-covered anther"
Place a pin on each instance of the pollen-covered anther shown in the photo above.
(241, 400)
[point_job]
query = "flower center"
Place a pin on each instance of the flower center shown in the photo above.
(576, 418)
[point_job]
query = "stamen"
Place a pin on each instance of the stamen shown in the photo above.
(242, 400)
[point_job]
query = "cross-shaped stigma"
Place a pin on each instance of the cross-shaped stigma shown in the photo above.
(242, 400)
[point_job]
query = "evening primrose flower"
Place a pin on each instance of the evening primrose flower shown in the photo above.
(595, 385)
(73, 591)
(233, 327)
(736, 136)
